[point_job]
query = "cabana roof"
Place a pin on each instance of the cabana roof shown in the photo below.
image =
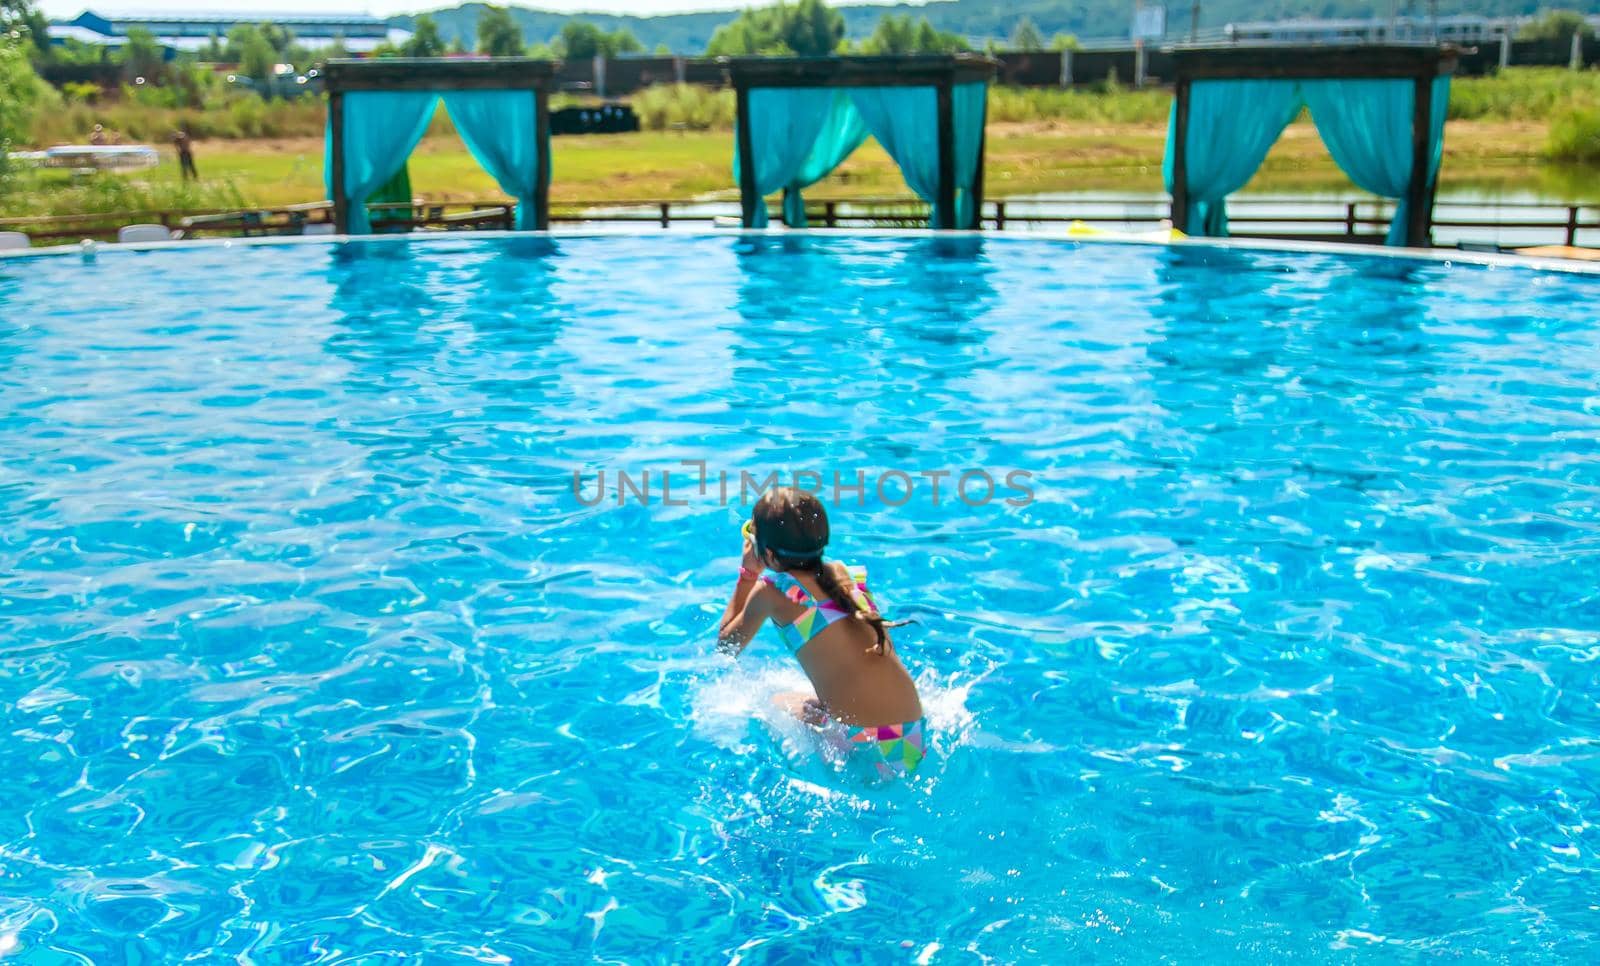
(431, 74)
(897, 70)
(1215, 62)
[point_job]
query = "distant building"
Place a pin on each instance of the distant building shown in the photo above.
(359, 33)
(1373, 30)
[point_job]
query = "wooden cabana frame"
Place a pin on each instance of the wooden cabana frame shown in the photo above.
(440, 76)
(942, 72)
(1422, 63)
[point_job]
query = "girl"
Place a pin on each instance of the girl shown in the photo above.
(830, 623)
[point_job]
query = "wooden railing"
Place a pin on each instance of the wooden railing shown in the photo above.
(1249, 217)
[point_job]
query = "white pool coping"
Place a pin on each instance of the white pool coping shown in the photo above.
(1448, 256)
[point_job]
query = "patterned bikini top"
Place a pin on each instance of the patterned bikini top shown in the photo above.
(818, 615)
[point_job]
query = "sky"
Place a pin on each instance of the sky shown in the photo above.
(70, 8)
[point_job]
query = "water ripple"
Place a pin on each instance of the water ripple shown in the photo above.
(309, 652)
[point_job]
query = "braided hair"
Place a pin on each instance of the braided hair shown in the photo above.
(793, 525)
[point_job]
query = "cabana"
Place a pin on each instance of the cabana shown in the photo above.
(1379, 109)
(800, 117)
(379, 109)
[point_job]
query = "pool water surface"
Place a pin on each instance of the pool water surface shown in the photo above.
(314, 649)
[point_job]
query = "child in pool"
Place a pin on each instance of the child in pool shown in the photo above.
(830, 623)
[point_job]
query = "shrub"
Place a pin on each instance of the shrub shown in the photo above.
(51, 193)
(671, 106)
(1575, 134)
(81, 92)
(1521, 93)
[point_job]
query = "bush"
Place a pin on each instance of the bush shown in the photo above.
(1575, 135)
(1111, 104)
(228, 114)
(51, 193)
(1521, 93)
(684, 106)
(81, 92)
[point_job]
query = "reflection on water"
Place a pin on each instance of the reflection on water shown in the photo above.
(1494, 206)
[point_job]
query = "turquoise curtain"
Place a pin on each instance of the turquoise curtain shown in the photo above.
(381, 128)
(1366, 125)
(501, 128)
(841, 133)
(784, 124)
(905, 120)
(1232, 126)
(397, 191)
(968, 107)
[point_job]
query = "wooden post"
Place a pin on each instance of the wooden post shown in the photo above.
(748, 198)
(1000, 216)
(945, 200)
(977, 178)
(1572, 225)
(341, 205)
(1505, 50)
(1180, 160)
(1350, 219)
(1066, 68)
(541, 190)
(830, 214)
(666, 214)
(1419, 193)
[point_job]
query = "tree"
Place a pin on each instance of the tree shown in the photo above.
(143, 57)
(808, 28)
(498, 33)
(1556, 25)
(1062, 42)
(902, 35)
(30, 25)
(23, 94)
(581, 40)
(252, 51)
(213, 51)
(622, 41)
(424, 40)
(1025, 36)
(281, 38)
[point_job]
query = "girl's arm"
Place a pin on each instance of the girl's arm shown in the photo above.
(739, 600)
(741, 595)
(752, 603)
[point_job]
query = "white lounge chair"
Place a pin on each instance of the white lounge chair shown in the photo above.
(318, 228)
(143, 233)
(12, 240)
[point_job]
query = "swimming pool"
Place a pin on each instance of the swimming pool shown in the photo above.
(313, 648)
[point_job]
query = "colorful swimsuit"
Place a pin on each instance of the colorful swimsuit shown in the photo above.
(892, 750)
(817, 616)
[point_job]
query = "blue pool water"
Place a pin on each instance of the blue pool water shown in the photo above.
(309, 650)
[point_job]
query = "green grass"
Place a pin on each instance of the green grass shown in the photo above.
(1575, 135)
(1039, 141)
(1522, 93)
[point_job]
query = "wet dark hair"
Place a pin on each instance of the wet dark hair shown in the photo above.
(793, 525)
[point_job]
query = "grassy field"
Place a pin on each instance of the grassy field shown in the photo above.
(1023, 159)
(1502, 135)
